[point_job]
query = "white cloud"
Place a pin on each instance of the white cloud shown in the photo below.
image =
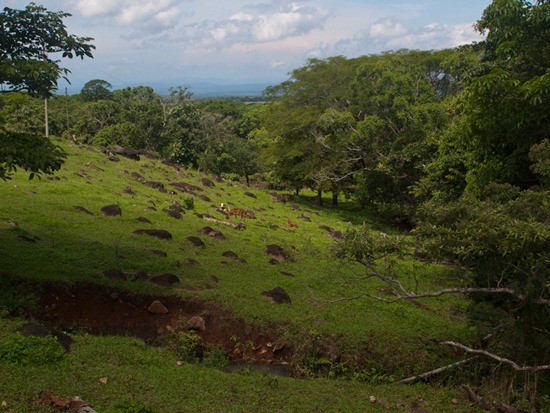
(143, 16)
(390, 33)
(386, 28)
(257, 23)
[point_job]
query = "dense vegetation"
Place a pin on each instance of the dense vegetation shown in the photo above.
(451, 146)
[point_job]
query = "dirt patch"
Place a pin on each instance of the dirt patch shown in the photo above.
(107, 311)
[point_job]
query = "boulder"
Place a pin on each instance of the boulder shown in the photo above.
(165, 280)
(157, 233)
(157, 307)
(196, 241)
(277, 296)
(115, 274)
(207, 182)
(37, 330)
(277, 252)
(111, 210)
(196, 323)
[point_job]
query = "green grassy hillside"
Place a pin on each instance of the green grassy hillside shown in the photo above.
(44, 238)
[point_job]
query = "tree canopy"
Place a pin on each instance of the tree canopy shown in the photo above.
(27, 39)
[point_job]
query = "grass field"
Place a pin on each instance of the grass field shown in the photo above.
(44, 238)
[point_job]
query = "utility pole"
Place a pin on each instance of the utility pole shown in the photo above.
(67, 108)
(46, 117)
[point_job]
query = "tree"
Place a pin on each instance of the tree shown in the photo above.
(27, 39)
(506, 110)
(95, 90)
(299, 154)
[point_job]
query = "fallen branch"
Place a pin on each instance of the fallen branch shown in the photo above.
(431, 373)
(487, 405)
(511, 363)
(240, 225)
(407, 295)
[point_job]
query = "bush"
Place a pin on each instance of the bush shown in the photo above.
(16, 349)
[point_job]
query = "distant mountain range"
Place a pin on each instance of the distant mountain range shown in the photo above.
(209, 90)
(199, 89)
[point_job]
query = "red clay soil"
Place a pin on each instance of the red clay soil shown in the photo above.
(106, 311)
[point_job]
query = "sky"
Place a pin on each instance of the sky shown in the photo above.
(180, 42)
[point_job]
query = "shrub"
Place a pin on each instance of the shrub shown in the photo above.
(16, 349)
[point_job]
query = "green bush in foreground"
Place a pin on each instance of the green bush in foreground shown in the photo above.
(17, 349)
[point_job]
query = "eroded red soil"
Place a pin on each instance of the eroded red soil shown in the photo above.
(107, 311)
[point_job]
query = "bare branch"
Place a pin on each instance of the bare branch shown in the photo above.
(485, 353)
(407, 295)
(486, 405)
(431, 373)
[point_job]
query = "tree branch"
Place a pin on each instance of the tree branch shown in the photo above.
(485, 353)
(407, 295)
(431, 373)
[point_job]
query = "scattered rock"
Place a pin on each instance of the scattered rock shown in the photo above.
(305, 218)
(157, 307)
(111, 210)
(82, 209)
(277, 252)
(204, 198)
(158, 253)
(196, 323)
(144, 220)
(173, 214)
(286, 274)
(326, 228)
(207, 182)
(157, 233)
(140, 275)
(278, 197)
(165, 280)
(336, 235)
(230, 254)
(251, 195)
(214, 279)
(156, 185)
(37, 330)
(184, 186)
(190, 262)
(196, 241)
(27, 238)
(129, 153)
(128, 190)
(115, 274)
(277, 296)
(211, 232)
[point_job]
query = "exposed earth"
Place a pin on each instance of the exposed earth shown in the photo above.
(103, 310)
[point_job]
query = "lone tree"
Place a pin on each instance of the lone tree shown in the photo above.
(27, 39)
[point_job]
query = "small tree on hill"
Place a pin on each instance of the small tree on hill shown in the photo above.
(27, 39)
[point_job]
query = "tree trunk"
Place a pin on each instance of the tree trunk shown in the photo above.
(319, 197)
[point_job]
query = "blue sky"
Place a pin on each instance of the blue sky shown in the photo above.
(179, 42)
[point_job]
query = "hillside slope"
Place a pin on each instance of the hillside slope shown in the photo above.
(54, 235)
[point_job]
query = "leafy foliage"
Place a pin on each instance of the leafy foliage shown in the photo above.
(28, 37)
(34, 153)
(16, 349)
